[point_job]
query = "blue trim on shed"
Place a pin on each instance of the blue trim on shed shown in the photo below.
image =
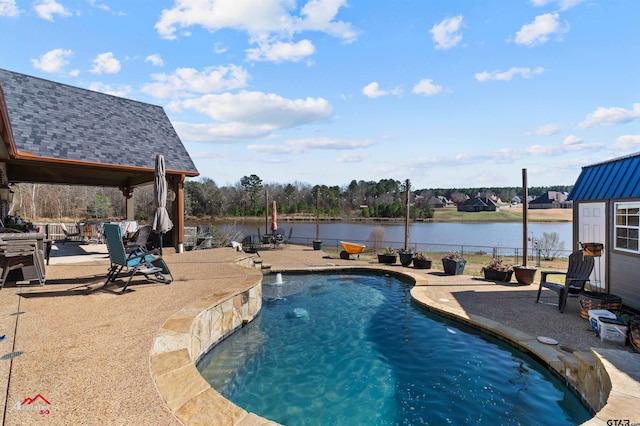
(617, 178)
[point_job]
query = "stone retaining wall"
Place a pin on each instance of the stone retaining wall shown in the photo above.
(185, 338)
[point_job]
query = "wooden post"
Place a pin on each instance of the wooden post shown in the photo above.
(407, 216)
(525, 216)
(318, 215)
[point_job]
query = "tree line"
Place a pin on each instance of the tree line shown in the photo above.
(250, 196)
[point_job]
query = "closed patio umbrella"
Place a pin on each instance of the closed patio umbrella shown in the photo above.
(274, 217)
(161, 222)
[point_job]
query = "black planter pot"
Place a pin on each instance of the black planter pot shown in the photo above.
(453, 266)
(387, 258)
(317, 244)
(406, 258)
(422, 263)
(497, 275)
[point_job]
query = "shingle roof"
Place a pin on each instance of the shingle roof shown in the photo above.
(54, 120)
(617, 178)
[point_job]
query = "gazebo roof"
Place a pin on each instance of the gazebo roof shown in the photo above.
(56, 133)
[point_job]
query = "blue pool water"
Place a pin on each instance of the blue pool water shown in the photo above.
(354, 349)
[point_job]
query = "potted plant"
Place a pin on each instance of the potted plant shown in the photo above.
(389, 256)
(453, 263)
(496, 270)
(420, 261)
(525, 274)
(406, 256)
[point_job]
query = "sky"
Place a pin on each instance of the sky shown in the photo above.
(446, 93)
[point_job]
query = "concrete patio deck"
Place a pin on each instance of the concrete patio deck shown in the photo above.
(81, 355)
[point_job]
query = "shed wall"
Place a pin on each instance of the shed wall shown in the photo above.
(624, 277)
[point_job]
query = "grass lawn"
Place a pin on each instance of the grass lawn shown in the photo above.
(505, 214)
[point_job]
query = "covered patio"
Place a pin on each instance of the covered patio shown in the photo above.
(59, 134)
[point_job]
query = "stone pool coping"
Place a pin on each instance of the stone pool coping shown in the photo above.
(608, 380)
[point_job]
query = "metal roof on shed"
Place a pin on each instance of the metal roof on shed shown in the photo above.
(613, 179)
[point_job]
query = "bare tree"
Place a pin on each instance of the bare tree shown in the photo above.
(378, 237)
(550, 245)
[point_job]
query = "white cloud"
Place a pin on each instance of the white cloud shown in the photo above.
(155, 60)
(105, 63)
(319, 16)
(259, 108)
(563, 4)
(52, 61)
(220, 132)
(545, 130)
(100, 6)
(372, 90)
(298, 146)
(498, 156)
(446, 34)
(610, 116)
(121, 91)
(265, 21)
(626, 143)
(249, 115)
(426, 87)
(571, 140)
(9, 8)
(539, 31)
(46, 9)
(508, 75)
(185, 82)
(219, 47)
(281, 51)
(351, 157)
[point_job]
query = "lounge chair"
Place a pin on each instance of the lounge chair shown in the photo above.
(140, 261)
(68, 235)
(577, 275)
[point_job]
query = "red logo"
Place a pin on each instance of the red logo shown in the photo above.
(30, 401)
(38, 403)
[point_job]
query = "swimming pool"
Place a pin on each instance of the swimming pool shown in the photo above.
(354, 349)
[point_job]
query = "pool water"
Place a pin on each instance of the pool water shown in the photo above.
(353, 349)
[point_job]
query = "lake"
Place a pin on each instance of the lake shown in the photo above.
(423, 236)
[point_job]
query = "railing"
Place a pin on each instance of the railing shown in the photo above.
(53, 231)
(515, 254)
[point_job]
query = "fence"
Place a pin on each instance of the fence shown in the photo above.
(54, 232)
(514, 254)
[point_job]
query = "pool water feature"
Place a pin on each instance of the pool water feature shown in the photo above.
(354, 349)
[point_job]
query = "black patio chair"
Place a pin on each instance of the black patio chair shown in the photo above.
(140, 240)
(577, 275)
(251, 245)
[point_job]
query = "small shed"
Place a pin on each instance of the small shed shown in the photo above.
(606, 210)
